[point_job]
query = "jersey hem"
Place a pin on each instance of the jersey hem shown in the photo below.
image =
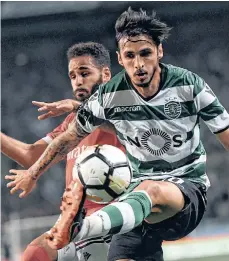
(217, 132)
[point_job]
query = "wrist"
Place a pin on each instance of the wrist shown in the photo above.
(33, 172)
(75, 105)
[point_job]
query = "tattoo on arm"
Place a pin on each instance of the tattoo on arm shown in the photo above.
(58, 149)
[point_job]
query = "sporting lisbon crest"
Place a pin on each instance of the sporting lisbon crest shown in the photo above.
(172, 108)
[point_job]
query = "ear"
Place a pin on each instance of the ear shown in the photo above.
(160, 51)
(119, 58)
(106, 74)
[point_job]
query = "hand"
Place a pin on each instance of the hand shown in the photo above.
(21, 179)
(56, 108)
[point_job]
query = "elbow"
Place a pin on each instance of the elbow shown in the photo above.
(30, 156)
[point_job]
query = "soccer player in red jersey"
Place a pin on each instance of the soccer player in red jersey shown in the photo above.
(89, 66)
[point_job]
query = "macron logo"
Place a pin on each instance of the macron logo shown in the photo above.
(127, 108)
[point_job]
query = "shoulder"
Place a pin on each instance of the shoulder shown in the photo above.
(117, 83)
(107, 91)
(182, 75)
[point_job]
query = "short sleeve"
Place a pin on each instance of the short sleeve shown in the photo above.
(60, 128)
(91, 114)
(209, 108)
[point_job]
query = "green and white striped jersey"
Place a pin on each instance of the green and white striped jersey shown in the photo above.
(161, 134)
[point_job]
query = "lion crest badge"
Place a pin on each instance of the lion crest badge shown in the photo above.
(172, 108)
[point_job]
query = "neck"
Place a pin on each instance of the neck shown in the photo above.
(153, 85)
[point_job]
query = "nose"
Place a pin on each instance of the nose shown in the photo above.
(78, 81)
(138, 62)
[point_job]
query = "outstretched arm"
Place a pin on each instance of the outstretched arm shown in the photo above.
(25, 180)
(24, 154)
(55, 109)
(58, 149)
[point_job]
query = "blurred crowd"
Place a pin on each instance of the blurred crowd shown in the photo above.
(34, 67)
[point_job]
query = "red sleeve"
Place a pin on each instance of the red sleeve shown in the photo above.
(62, 127)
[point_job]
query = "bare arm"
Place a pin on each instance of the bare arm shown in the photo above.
(24, 154)
(58, 149)
(224, 138)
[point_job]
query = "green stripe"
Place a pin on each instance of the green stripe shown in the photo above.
(196, 170)
(147, 112)
(140, 204)
(162, 165)
(115, 217)
(211, 111)
(117, 83)
(172, 76)
(198, 86)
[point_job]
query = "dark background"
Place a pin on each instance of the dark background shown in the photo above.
(35, 38)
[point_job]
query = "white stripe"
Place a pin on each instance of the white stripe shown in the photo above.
(204, 98)
(105, 218)
(144, 192)
(89, 242)
(178, 126)
(177, 172)
(218, 123)
(96, 108)
(47, 139)
(130, 97)
(127, 215)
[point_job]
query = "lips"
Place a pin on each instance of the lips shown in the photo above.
(141, 76)
(140, 73)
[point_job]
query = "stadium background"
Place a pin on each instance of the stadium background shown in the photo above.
(35, 38)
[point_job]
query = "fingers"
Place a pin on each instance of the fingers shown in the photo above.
(45, 105)
(13, 190)
(10, 177)
(46, 116)
(11, 184)
(43, 108)
(39, 104)
(23, 194)
(13, 171)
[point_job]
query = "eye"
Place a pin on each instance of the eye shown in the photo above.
(72, 76)
(85, 74)
(129, 55)
(145, 53)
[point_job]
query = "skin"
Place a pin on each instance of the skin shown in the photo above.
(82, 68)
(166, 197)
(140, 57)
(84, 75)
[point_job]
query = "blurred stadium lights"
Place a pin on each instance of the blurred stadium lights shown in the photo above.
(34, 8)
(20, 9)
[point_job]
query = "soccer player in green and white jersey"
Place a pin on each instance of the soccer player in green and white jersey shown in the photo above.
(155, 109)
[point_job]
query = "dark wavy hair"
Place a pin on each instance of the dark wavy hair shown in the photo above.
(96, 50)
(134, 23)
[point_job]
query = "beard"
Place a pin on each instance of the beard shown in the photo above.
(85, 93)
(145, 84)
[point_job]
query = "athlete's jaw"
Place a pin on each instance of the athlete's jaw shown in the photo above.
(142, 79)
(81, 94)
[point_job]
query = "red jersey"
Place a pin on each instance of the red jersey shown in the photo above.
(96, 137)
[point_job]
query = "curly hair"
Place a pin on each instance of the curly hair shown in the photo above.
(96, 50)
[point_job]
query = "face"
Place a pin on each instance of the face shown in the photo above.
(84, 75)
(140, 57)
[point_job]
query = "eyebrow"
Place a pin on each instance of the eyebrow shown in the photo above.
(80, 68)
(142, 50)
